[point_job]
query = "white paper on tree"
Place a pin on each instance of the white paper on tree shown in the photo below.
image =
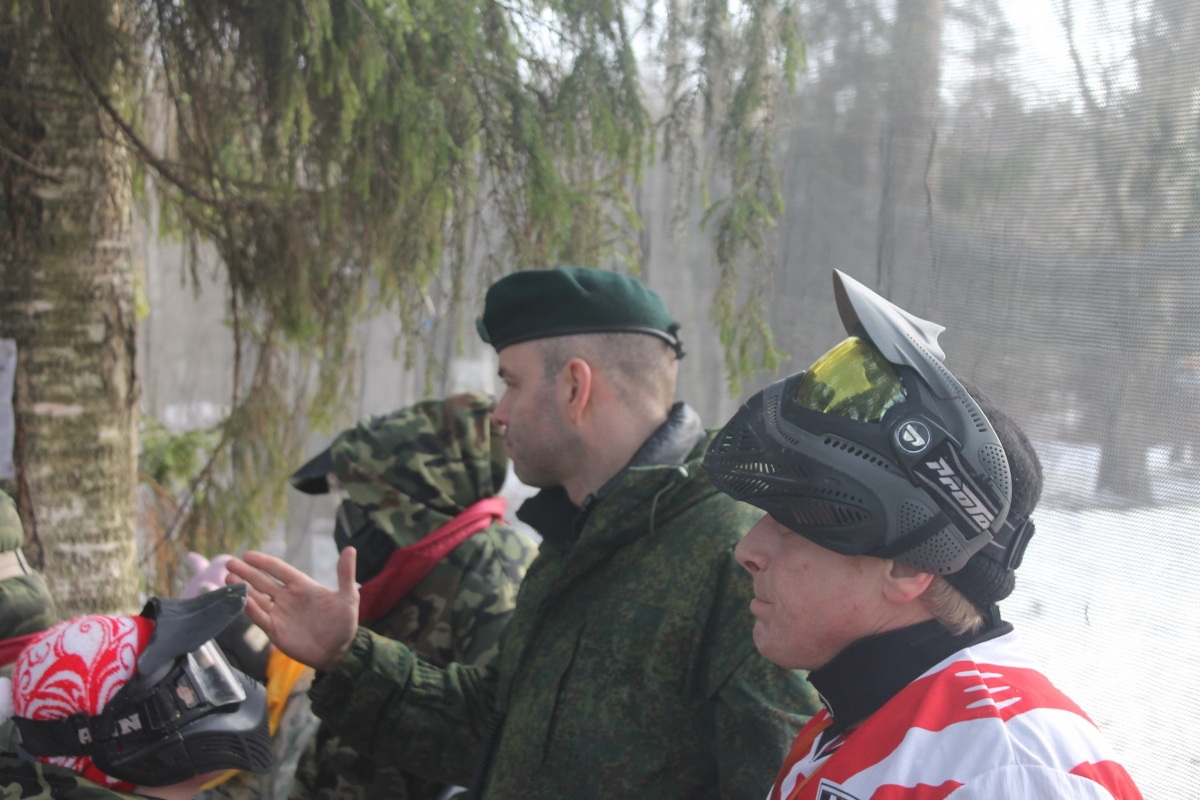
(8, 420)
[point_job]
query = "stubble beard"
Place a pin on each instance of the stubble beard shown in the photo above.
(543, 448)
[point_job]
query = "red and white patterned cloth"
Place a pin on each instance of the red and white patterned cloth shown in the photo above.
(983, 724)
(78, 665)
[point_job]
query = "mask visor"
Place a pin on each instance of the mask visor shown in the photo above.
(212, 676)
(853, 381)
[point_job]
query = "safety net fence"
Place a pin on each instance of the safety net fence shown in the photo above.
(1028, 175)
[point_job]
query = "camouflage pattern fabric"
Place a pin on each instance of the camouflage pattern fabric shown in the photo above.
(628, 669)
(33, 780)
(415, 469)
(25, 603)
(412, 472)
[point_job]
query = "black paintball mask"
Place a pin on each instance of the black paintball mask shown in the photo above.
(185, 711)
(876, 449)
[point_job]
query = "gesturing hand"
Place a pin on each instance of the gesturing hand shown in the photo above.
(305, 620)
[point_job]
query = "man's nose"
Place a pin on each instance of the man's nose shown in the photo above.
(500, 412)
(753, 559)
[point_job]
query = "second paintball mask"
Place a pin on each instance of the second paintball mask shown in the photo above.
(876, 450)
(184, 712)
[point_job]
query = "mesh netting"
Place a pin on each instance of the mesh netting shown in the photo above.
(1030, 180)
(1027, 173)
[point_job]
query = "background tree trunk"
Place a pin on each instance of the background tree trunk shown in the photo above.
(909, 134)
(67, 297)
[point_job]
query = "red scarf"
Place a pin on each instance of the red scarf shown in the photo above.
(11, 648)
(408, 565)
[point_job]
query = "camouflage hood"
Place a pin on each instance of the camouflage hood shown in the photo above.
(25, 603)
(414, 470)
(11, 533)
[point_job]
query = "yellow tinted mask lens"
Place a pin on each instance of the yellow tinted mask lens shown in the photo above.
(852, 381)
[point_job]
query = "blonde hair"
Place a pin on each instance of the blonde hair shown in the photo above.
(951, 607)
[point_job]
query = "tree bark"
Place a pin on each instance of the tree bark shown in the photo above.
(909, 135)
(67, 297)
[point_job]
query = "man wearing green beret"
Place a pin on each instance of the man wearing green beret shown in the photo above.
(628, 668)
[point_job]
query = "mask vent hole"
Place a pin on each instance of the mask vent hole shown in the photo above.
(860, 452)
(772, 417)
(981, 424)
(996, 464)
(912, 516)
(785, 471)
(936, 555)
(747, 442)
(824, 513)
(742, 486)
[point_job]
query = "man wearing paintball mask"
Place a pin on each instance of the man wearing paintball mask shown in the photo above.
(106, 706)
(898, 508)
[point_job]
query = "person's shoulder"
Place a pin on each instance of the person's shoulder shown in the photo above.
(698, 511)
(1107, 781)
(27, 780)
(498, 543)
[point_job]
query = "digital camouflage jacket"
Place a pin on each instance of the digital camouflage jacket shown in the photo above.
(33, 780)
(25, 603)
(410, 473)
(627, 670)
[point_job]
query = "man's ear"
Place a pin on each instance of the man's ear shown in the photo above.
(579, 382)
(903, 584)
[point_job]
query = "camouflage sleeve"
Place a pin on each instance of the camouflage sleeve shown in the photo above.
(487, 595)
(391, 706)
(760, 707)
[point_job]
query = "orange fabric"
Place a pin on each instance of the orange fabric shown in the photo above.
(804, 743)
(282, 674)
(408, 565)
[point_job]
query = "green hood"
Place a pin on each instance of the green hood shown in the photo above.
(415, 469)
(12, 535)
(25, 603)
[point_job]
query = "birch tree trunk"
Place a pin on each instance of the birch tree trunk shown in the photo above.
(67, 297)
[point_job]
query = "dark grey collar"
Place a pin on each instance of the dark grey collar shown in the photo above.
(668, 446)
(552, 514)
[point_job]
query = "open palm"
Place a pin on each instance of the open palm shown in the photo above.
(308, 622)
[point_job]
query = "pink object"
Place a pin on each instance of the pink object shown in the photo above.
(209, 575)
(78, 665)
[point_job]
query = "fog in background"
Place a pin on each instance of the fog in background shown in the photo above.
(1026, 173)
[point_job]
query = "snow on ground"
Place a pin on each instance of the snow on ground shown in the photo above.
(1107, 602)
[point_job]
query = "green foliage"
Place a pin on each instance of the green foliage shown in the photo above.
(342, 152)
(171, 460)
(751, 53)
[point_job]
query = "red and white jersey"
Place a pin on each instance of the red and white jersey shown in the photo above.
(982, 724)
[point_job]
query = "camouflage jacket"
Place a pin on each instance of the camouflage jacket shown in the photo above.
(33, 780)
(410, 473)
(628, 668)
(25, 603)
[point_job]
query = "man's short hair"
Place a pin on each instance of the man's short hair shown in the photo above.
(636, 364)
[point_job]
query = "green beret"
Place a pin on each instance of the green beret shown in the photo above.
(538, 304)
